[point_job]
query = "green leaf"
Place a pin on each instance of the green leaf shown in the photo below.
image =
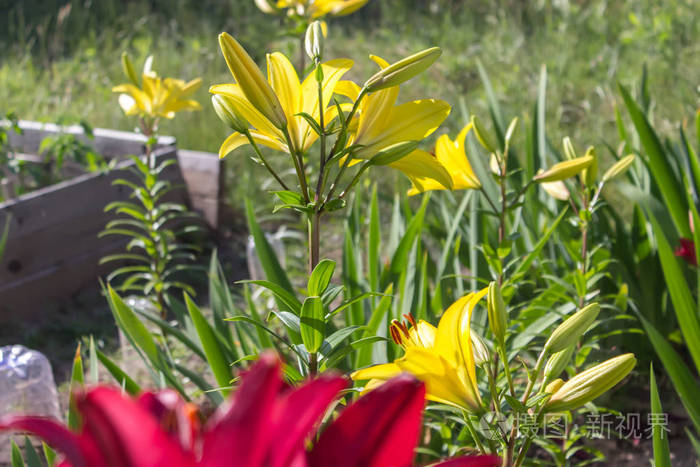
(31, 454)
(263, 338)
(662, 453)
(374, 240)
(124, 380)
(132, 326)
(94, 370)
(268, 259)
(320, 277)
(49, 454)
(535, 253)
(659, 166)
(399, 261)
(682, 298)
(77, 382)
(681, 377)
(312, 324)
(364, 355)
(5, 234)
(17, 460)
(210, 344)
(282, 295)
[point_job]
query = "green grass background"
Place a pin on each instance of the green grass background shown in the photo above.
(60, 59)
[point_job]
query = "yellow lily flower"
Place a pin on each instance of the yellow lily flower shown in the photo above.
(312, 8)
(294, 98)
(156, 97)
(380, 124)
(452, 155)
(441, 357)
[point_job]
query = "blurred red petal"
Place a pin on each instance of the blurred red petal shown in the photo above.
(296, 414)
(380, 429)
(126, 434)
(57, 436)
(686, 250)
(175, 416)
(239, 435)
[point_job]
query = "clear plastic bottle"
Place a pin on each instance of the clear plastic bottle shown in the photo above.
(26, 383)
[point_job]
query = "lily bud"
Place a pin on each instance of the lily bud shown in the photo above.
(226, 111)
(498, 317)
(265, 6)
(564, 170)
(556, 190)
(129, 71)
(251, 80)
(554, 386)
(484, 137)
(619, 168)
(589, 174)
(313, 42)
(569, 150)
(394, 152)
(557, 363)
(590, 384)
(403, 70)
(569, 332)
(494, 165)
(481, 352)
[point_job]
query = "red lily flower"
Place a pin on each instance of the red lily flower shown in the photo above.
(686, 250)
(266, 424)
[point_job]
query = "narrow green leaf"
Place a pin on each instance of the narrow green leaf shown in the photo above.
(94, 370)
(267, 256)
(312, 324)
(282, 295)
(681, 377)
(682, 298)
(662, 453)
(32, 457)
(320, 277)
(124, 380)
(49, 454)
(16, 455)
(210, 345)
(263, 338)
(535, 253)
(364, 355)
(77, 382)
(659, 165)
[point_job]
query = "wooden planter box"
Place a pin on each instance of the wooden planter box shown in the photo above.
(53, 249)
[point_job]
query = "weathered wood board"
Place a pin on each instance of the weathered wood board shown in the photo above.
(53, 249)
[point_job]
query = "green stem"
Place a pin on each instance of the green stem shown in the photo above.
(264, 161)
(506, 367)
(472, 431)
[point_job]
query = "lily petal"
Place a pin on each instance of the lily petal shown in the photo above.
(381, 428)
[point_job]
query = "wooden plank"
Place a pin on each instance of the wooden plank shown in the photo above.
(108, 143)
(53, 249)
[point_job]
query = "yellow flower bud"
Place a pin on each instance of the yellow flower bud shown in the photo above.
(556, 190)
(403, 70)
(619, 168)
(553, 386)
(484, 137)
(265, 6)
(589, 174)
(393, 153)
(557, 363)
(481, 352)
(313, 42)
(251, 80)
(564, 170)
(226, 111)
(569, 150)
(569, 332)
(590, 384)
(498, 317)
(129, 71)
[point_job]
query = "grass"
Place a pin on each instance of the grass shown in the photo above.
(64, 69)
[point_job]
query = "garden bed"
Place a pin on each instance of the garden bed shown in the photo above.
(53, 243)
